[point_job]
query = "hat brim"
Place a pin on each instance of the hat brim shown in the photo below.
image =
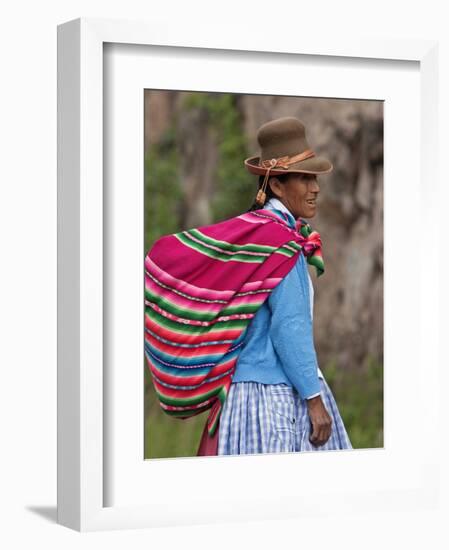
(313, 165)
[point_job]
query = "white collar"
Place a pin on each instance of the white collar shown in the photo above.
(276, 203)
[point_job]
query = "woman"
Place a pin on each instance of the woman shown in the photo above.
(228, 316)
(279, 400)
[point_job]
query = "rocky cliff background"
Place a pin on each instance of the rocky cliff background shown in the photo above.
(195, 144)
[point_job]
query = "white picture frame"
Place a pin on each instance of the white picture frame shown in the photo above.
(85, 499)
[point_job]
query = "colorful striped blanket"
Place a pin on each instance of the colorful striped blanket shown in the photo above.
(202, 288)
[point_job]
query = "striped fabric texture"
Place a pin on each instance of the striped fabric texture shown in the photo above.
(202, 288)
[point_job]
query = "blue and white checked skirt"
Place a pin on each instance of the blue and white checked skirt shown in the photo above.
(272, 418)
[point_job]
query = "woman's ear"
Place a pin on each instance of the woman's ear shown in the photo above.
(276, 186)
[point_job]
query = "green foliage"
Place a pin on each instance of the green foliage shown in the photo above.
(235, 188)
(162, 188)
(165, 436)
(359, 396)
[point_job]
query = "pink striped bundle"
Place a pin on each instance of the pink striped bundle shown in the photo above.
(202, 288)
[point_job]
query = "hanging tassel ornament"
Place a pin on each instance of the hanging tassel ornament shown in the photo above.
(261, 195)
(260, 198)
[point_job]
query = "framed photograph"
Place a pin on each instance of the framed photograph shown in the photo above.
(157, 131)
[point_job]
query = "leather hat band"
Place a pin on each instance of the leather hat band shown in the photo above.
(285, 162)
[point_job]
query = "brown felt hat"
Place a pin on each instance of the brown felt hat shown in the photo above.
(284, 149)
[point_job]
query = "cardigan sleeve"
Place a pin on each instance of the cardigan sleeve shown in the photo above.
(291, 330)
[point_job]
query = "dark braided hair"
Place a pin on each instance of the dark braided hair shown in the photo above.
(282, 178)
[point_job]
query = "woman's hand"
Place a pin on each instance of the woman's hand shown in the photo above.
(320, 419)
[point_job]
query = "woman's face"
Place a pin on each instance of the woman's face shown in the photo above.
(298, 194)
